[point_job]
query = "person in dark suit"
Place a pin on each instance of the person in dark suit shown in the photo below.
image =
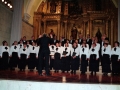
(62, 40)
(80, 40)
(55, 40)
(44, 52)
(89, 41)
(101, 45)
(71, 40)
(24, 39)
(32, 40)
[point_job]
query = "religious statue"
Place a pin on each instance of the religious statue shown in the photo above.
(52, 7)
(98, 35)
(52, 32)
(74, 32)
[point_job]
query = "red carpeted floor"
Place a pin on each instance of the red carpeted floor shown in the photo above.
(57, 77)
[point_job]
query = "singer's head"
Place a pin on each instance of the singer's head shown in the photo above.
(44, 35)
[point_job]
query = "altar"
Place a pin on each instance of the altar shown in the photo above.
(85, 16)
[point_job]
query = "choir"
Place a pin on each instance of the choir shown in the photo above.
(65, 55)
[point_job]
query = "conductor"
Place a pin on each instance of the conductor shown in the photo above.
(44, 52)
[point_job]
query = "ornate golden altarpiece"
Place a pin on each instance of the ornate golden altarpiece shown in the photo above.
(87, 16)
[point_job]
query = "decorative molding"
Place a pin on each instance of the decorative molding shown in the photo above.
(26, 17)
(27, 23)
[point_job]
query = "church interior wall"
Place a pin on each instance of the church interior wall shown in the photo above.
(27, 30)
(5, 23)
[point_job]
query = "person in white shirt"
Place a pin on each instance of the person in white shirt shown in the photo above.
(66, 58)
(94, 56)
(28, 44)
(106, 55)
(74, 58)
(33, 55)
(97, 44)
(69, 44)
(20, 45)
(115, 58)
(28, 47)
(61, 47)
(99, 51)
(52, 52)
(4, 55)
(57, 57)
(84, 56)
(23, 56)
(14, 50)
(84, 41)
(78, 45)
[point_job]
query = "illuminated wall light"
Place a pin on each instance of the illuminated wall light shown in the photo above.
(8, 3)
(3, 0)
(10, 6)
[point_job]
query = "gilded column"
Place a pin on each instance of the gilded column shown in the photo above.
(44, 26)
(61, 29)
(88, 27)
(84, 29)
(65, 29)
(91, 35)
(112, 32)
(38, 32)
(107, 27)
(39, 28)
(58, 31)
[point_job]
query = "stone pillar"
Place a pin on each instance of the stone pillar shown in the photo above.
(16, 28)
(58, 31)
(119, 20)
(44, 26)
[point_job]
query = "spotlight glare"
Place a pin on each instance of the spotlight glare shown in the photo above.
(10, 6)
(2, 0)
(5, 2)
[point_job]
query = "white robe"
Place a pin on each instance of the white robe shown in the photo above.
(35, 51)
(107, 51)
(77, 51)
(12, 49)
(86, 52)
(68, 50)
(117, 52)
(4, 50)
(96, 51)
(24, 52)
